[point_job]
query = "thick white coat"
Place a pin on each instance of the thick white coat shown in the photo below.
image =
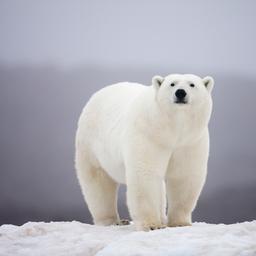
(140, 136)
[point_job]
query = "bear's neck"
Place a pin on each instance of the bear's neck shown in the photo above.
(183, 125)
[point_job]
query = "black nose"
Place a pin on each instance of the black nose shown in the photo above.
(180, 94)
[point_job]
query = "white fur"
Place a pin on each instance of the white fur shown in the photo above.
(137, 135)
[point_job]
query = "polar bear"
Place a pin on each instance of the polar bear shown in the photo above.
(152, 138)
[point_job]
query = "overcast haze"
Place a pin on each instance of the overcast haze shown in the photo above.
(55, 54)
(206, 35)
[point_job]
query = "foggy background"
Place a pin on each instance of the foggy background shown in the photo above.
(55, 54)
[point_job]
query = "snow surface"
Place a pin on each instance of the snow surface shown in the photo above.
(75, 238)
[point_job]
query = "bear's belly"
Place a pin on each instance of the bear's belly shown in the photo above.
(114, 166)
(107, 151)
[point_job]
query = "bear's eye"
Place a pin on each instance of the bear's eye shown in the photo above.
(172, 84)
(192, 85)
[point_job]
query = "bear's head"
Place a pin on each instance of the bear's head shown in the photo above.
(187, 91)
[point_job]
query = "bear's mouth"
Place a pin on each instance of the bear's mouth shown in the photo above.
(180, 102)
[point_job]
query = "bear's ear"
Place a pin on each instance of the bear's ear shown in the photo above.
(157, 81)
(208, 83)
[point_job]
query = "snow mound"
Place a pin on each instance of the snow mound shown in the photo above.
(75, 238)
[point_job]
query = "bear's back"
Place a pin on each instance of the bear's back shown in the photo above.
(111, 102)
(120, 94)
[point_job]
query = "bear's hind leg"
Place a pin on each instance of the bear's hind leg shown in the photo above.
(99, 191)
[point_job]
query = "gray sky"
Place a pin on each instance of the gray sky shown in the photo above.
(43, 31)
(207, 34)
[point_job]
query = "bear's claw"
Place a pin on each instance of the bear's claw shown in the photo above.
(156, 227)
(123, 222)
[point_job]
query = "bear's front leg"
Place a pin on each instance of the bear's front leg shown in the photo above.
(185, 179)
(144, 199)
(145, 172)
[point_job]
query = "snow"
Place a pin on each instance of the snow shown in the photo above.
(75, 238)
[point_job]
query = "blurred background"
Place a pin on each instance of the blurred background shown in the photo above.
(55, 54)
